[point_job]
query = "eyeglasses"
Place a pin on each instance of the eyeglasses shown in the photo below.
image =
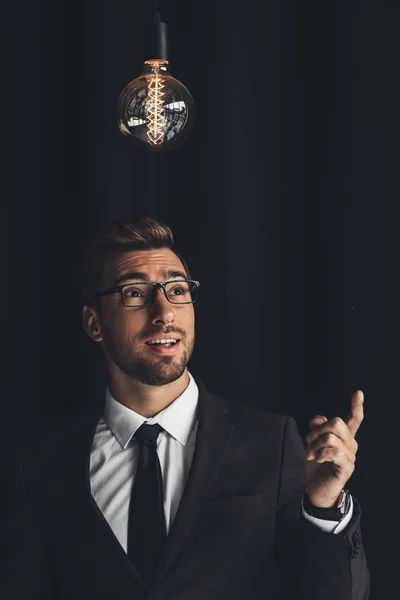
(183, 291)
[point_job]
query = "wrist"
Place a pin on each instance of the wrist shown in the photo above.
(327, 503)
(329, 513)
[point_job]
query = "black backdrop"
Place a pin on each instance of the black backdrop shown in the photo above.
(288, 186)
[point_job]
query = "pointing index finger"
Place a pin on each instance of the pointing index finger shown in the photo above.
(356, 414)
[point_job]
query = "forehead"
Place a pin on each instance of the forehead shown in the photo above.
(152, 262)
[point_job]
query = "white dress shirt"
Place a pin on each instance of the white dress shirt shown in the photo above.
(113, 459)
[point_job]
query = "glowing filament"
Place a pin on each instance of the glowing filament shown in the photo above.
(155, 106)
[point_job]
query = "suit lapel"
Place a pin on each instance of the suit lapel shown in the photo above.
(99, 528)
(213, 435)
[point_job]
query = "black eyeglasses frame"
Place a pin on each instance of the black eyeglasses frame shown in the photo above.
(156, 286)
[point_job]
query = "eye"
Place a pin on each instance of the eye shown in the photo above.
(133, 293)
(178, 290)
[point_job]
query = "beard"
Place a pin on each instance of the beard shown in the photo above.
(156, 371)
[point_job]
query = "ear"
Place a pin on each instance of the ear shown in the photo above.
(91, 323)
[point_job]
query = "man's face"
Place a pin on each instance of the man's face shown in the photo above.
(123, 331)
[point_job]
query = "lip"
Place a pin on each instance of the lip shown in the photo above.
(163, 337)
(162, 350)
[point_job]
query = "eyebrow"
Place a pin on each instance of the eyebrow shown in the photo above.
(137, 276)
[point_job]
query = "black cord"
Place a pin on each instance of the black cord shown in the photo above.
(156, 7)
(156, 10)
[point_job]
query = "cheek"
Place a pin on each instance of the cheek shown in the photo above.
(191, 327)
(123, 328)
(188, 322)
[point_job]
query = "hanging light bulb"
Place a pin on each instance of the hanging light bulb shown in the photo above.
(156, 111)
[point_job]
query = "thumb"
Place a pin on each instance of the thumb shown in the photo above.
(317, 420)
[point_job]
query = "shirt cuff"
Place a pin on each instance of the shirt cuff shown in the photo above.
(330, 526)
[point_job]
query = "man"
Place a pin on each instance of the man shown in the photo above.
(166, 491)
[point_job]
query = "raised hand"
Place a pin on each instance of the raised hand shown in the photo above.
(331, 453)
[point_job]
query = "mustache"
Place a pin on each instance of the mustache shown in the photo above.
(166, 331)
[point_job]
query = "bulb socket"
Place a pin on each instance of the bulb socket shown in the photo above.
(156, 40)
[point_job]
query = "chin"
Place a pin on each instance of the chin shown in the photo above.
(159, 374)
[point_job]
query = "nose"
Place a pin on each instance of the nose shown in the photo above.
(162, 310)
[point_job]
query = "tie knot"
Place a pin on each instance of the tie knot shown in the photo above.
(148, 434)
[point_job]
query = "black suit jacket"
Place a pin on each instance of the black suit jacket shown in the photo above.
(238, 534)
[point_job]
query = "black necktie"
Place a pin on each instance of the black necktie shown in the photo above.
(146, 523)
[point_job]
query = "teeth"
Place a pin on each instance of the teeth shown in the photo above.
(162, 341)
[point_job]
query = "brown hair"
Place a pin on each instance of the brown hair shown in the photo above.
(131, 233)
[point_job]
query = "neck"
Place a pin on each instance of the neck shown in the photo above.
(147, 400)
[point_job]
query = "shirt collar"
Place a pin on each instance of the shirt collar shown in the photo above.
(177, 419)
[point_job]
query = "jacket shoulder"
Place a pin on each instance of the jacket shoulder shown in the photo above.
(250, 422)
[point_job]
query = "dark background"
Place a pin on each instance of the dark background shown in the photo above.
(284, 202)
